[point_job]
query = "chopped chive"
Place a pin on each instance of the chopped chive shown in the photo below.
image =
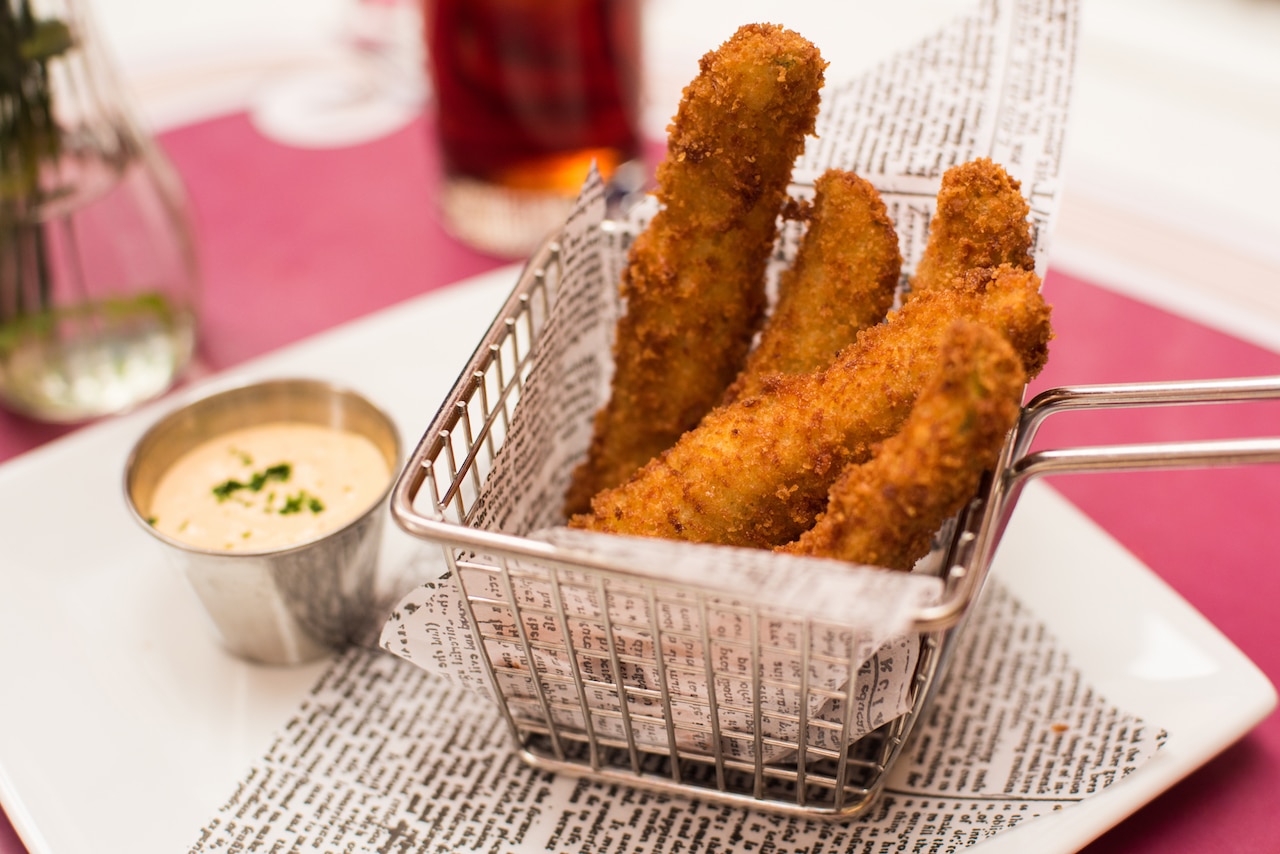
(300, 501)
(279, 471)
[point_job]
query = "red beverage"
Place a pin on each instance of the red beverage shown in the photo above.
(529, 92)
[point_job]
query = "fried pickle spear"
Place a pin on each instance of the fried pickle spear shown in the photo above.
(757, 472)
(980, 221)
(694, 281)
(885, 511)
(841, 281)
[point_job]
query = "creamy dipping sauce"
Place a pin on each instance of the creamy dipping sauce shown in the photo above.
(268, 486)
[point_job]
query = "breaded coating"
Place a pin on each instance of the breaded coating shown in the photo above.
(886, 511)
(694, 282)
(757, 472)
(981, 221)
(842, 280)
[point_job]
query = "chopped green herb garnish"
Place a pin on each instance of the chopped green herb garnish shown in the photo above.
(301, 501)
(279, 471)
(223, 490)
(151, 520)
(245, 459)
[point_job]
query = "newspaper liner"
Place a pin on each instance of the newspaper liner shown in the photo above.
(384, 756)
(859, 128)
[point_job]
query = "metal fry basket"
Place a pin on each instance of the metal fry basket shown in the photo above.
(592, 662)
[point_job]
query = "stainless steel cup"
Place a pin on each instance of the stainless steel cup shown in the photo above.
(285, 605)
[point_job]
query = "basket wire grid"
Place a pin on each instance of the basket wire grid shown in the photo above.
(592, 662)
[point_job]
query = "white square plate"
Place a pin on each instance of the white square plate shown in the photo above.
(124, 726)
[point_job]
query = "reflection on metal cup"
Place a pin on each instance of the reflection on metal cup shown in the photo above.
(291, 603)
(529, 93)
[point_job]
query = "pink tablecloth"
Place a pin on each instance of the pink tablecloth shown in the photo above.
(296, 241)
(1209, 534)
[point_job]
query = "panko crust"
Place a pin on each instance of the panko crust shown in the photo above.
(693, 287)
(757, 472)
(981, 220)
(886, 511)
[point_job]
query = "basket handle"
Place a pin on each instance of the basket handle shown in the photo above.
(1022, 465)
(1019, 465)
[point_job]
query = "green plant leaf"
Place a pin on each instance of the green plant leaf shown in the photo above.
(50, 38)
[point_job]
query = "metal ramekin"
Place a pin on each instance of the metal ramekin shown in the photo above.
(284, 605)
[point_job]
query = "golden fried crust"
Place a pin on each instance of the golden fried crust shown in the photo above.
(885, 511)
(757, 472)
(842, 280)
(980, 221)
(694, 283)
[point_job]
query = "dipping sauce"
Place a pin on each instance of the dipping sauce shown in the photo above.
(268, 486)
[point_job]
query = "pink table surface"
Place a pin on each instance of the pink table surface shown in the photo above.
(333, 235)
(294, 241)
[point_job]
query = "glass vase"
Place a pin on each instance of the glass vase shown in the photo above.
(98, 274)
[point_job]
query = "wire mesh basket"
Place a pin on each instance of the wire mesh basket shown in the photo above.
(593, 663)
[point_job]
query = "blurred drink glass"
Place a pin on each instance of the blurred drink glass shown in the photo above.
(528, 94)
